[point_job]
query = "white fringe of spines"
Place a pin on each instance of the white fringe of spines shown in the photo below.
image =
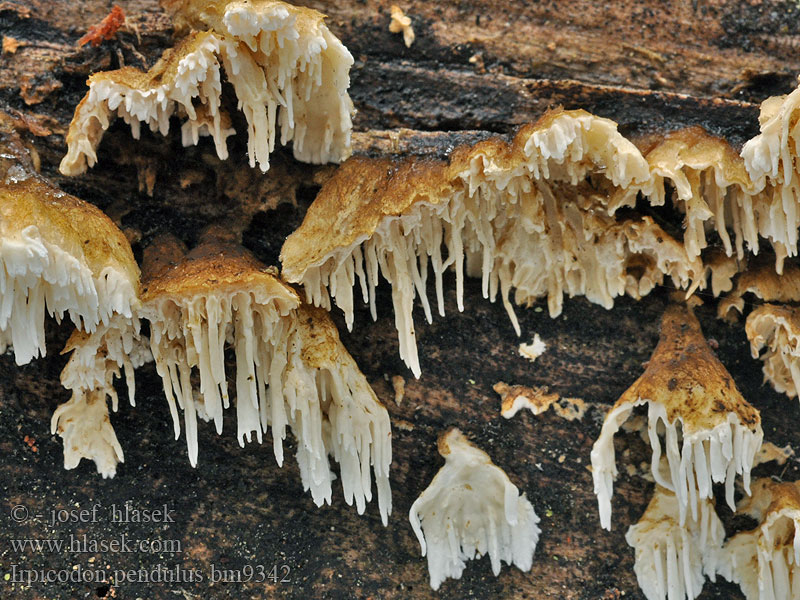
(695, 461)
(331, 409)
(38, 277)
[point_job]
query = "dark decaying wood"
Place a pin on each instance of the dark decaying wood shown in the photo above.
(476, 69)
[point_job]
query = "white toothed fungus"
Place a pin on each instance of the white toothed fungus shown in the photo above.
(710, 432)
(291, 370)
(765, 562)
(777, 328)
(470, 509)
(86, 430)
(672, 559)
(58, 255)
(550, 194)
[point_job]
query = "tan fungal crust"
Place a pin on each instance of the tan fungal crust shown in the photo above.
(672, 559)
(764, 283)
(470, 509)
(516, 397)
(185, 81)
(712, 188)
(291, 368)
(721, 270)
(777, 329)
(550, 193)
(765, 561)
(59, 254)
(711, 432)
(288, 70)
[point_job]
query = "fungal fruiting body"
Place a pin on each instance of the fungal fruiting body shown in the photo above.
(186, 82)
(711, 188)
(83, 422)
(288, 71)
(711, 433)
(672, 559)
(86, 430)
(291, 369)
(777, 328)
(761, 280)
(58, 255)
(550, 194)
(770, 161)
(765, 562)
(470, 509)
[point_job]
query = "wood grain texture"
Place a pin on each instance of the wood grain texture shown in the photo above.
(476, 69)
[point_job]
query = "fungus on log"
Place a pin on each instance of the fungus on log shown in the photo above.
(672, 559)
(85, 427)
(291, 368)
(711, 432)
(551, 193)
(765, 561)
(471, 508)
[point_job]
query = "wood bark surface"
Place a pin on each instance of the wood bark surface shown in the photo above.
(476, 69)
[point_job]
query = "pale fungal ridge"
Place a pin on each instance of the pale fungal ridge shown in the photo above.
(770, 161)
(329, 407)
(470, 509)
(38, 276)
(765, 562)
(289, 71)
(494, 217)
(193, 91)
(84, 425)
(696, 459)
(776, 328)
(673, 559)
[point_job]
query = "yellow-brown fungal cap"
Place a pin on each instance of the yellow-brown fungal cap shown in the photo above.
(60, 254)
(689, 391)
(761, 280)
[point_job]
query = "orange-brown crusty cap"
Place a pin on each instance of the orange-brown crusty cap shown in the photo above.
(352, 203)
(209, 13)
(213, 267)
(695, 148)
(75, 226)
(686, 378)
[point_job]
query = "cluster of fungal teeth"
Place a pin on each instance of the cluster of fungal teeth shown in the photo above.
(551, 213)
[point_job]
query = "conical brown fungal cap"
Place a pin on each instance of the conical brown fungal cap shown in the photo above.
(777, 328)
(690, 395)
